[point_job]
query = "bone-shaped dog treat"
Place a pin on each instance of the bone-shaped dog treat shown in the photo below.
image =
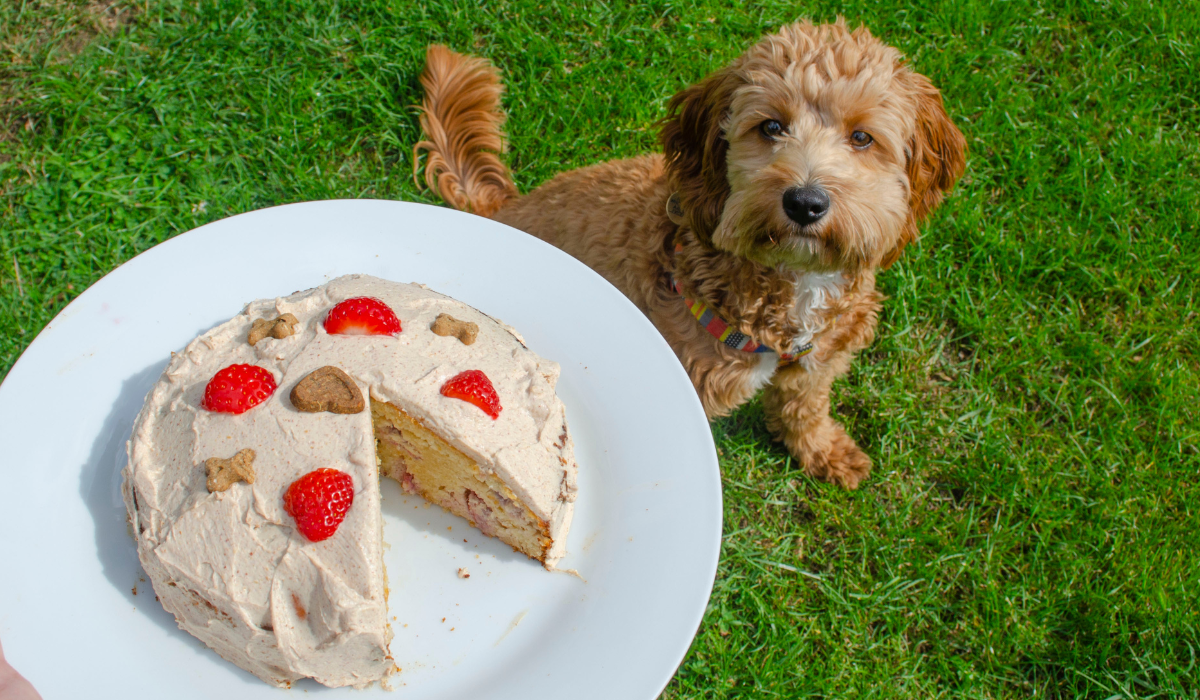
(223, 473)
(279, 328)
(327, 389)
(465, 331)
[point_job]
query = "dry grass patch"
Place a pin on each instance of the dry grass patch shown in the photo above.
(41, 32)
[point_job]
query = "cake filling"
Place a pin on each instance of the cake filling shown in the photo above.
(426, 465)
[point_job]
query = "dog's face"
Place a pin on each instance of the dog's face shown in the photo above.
(817, 149)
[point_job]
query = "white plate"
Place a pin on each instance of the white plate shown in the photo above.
(647, 523)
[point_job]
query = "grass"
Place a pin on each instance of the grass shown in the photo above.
(1031, 403)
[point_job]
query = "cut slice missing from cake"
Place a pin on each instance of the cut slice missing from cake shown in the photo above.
(253, 478)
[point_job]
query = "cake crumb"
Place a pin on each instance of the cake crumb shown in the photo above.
(571, 572)
(462, 573)
(300, 611)
(135, 585)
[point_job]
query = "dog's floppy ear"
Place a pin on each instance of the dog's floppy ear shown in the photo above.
(936, 158)
(694, 144)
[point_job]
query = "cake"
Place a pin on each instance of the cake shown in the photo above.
(253, 477)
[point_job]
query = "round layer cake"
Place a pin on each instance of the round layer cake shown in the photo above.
(239, 565)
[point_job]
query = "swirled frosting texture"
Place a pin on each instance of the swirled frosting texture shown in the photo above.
(230, 566)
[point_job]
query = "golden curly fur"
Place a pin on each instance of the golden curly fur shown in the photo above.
(465, 132)
(848, 118)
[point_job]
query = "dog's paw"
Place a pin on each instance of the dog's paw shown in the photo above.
(841, 462)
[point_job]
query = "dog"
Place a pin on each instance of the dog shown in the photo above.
(787, 180)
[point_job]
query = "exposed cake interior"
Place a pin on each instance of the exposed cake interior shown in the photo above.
(428, 466)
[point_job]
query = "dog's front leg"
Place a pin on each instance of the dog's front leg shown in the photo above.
(797, 407)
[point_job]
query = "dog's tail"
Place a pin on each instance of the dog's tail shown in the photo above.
(462, 119)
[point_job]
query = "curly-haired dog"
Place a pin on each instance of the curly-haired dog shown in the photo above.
(787, 179)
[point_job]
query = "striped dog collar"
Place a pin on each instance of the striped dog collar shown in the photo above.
(720, 329)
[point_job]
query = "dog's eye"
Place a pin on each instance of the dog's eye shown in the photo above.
(861, 139)
(771, 129)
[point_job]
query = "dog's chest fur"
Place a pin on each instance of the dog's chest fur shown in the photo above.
(816, 292)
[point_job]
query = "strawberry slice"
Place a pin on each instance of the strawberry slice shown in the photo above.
(238, 388)
(362, 316)
(473, 386)
(319, 501)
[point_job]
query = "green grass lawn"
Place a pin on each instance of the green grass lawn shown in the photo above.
(1032, 403)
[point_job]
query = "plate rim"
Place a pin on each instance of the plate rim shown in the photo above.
(21, 366)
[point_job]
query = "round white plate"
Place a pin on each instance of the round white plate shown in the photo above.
(647, 523)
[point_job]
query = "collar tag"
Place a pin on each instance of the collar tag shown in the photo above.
(675, 209)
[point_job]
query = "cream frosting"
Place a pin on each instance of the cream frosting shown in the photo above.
(229, 564)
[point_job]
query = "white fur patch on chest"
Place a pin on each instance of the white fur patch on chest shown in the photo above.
(765, 369)
(815, 292)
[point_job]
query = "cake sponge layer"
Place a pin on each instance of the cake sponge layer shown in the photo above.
(428, 466)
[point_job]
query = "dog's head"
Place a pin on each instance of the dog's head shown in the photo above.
(817, 149)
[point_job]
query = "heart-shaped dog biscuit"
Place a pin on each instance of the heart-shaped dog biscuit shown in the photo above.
(327, 389)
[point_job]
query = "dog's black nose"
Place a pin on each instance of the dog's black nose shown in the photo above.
(805, 205)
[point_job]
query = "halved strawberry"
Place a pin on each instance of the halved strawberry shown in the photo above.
(238, 388)
(362, 316)
(319, 501)
(473, 386)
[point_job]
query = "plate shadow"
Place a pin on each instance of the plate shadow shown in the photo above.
(100, 488)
